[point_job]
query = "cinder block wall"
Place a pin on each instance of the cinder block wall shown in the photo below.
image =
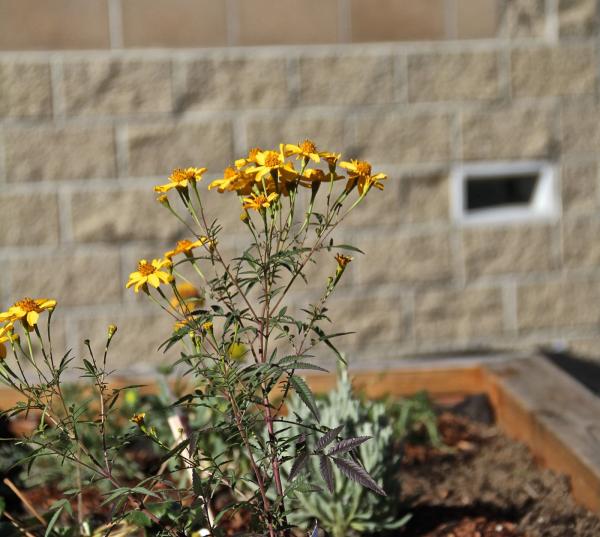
(85, 134)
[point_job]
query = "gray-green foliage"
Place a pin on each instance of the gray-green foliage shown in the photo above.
(351, 509)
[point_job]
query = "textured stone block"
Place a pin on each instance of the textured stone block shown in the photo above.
(403, 138)
(507, 250)
(453, 76)
(580, 127)
(346, 80)
(223, 82)
(53, 24)
(117, 87)
(407, 259)
(397, 20)
(586, 348)
(174, 23)
(558, 304)
(25, 89)
(580, 183)
(157, 149)
(28, 219)
(408, 198)
(381, 321)
(263, 22)
(477, 19)
(459, 315)
(268, 132)
(111, 216)
(523, 18)
(48, 153)
(135, 345)
(581, 246)
(540, 72)
(577, 17)
(72, 279)
(511, 132)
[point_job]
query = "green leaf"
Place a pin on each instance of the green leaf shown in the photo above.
(305, 395)
(137, 518)
(347, 247)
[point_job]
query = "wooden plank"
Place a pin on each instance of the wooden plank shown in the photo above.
(439, 381)
(555, 416)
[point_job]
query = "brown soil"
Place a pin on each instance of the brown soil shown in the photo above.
(486, 485)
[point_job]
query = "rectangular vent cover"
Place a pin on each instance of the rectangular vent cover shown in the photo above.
(503, 192)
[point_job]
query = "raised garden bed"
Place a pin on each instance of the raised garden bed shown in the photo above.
(490, 485)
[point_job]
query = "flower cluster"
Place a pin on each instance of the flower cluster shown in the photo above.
(263, 176)
(26, 312)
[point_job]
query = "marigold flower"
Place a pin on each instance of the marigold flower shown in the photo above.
(331, 158)
(150, 273)
(233, 180)
(342, 260)
(360, 173)
(181, 178)
(6, 335)
(112, 330)
(306, 149)
(260, 201)
(163, 200)
(27, 311)
(208, 326)
(185, 246)
(138, 418)
(312, 175)
(191, 296)
(250, 159)
(272, 161)
(237, 351)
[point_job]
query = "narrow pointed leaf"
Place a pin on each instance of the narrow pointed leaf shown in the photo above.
(356, 472)
(348, 444)
(315, 531)
(329, 437)
(305, 395)
(298, 465)
(326, 472)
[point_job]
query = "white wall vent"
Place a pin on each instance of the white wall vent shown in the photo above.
(503, 192)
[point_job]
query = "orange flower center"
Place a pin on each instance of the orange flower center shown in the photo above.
(180, 175)
(145, 269)
(272, 159)
(28, 304)
(363, 168)
(230, 173)
(308, 147)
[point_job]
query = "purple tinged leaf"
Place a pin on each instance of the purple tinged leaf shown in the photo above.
(329, 437)
(298, 465)
(357, 473)
(346, 445)
(326, 472)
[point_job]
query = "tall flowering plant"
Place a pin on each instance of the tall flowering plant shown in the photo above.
(243, 342)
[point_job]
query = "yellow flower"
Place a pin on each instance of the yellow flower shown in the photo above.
(185, 246)
(163, 200)
(331, 158)
(150, 273)
(342, 260)
(233, 179)
(9, 337)
(260, 201)
(311, 176)
(360, 173)
(250, 159)
(191, 297)
(138, 418)
(27, 311)
(208, 326)
(237, 351)
(180, 178)
(272, 161)
(306, 149)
